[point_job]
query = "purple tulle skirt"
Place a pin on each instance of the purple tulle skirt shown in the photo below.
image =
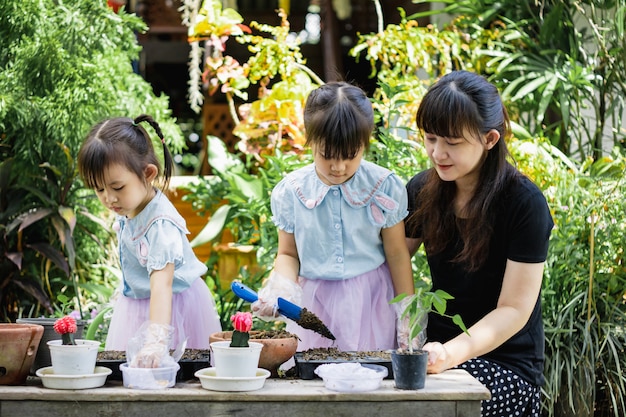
(356, 310)
(193, 316)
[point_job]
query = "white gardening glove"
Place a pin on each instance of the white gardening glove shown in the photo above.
(149, 348)
(266, 307)
(403, 326)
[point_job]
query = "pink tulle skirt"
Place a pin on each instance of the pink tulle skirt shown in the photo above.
(356, 311)
(194, 316)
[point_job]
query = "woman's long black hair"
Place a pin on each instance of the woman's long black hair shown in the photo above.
(460, 102)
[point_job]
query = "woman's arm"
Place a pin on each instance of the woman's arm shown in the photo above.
(520, 290)
(413, 245)
(398, 259)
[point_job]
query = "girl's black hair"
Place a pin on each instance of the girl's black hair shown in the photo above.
(338, 117)
(459, 102)
(122, 140)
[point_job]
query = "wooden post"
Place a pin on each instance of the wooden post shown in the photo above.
(333, 65)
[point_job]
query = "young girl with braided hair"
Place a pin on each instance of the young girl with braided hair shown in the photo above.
(164, 300)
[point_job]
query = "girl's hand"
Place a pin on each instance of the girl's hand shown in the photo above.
(276, 286)
(438, 359)
(151, 345)
(150, 356)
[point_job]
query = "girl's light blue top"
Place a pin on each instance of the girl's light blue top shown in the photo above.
(337, 228)
(151, 240)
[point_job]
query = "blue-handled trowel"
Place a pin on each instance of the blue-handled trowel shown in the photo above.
(300, 315)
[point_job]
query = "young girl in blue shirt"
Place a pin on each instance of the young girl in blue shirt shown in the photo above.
(164, 300)
(341, 243)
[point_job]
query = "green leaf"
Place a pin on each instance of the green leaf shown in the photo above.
(530, 88)
(459, 322)
(53, 254)
(213, 228)
(398, 298)
(519, 131)
(218, 156)
(251, 187)
(95, 323)
(32, 217)
(68, 214)
(547, 96)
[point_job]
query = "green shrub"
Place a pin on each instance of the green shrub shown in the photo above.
(64, 65)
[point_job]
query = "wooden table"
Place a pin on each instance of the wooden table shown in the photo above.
(452, 393)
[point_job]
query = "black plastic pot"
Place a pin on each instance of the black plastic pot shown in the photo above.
(409, 369)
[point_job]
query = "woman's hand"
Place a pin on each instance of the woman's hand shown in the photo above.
(438, 359)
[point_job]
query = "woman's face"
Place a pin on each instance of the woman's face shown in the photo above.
(335, 171)
(459, 159)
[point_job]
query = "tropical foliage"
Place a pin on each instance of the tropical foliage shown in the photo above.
(276, 66)
(561, 65)
(585, 277)
(64, 65)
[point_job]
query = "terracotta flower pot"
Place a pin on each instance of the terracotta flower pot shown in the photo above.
(18, 348)
(274, 353)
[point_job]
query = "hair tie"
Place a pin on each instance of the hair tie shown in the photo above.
(134, 124)
(163, 141)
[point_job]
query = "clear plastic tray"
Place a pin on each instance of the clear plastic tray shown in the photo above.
(351, 377)
(149, 378)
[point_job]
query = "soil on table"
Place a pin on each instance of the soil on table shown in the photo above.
(197, 354)
(333, 353)
(271, 334)
(310, 321)
(308, 360)
(120, 355)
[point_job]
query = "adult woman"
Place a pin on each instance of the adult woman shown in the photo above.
(485, 229)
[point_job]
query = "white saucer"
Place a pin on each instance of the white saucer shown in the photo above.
(50, 380)
(211, 381)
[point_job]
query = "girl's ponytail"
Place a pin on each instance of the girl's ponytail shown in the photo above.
(167, 156)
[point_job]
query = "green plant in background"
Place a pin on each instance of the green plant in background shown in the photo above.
(585, 277)
(406, 58)
(561, 64)
(395, 145)
(63, 67)
(274, 121)
(238, 200)
(585, 282)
